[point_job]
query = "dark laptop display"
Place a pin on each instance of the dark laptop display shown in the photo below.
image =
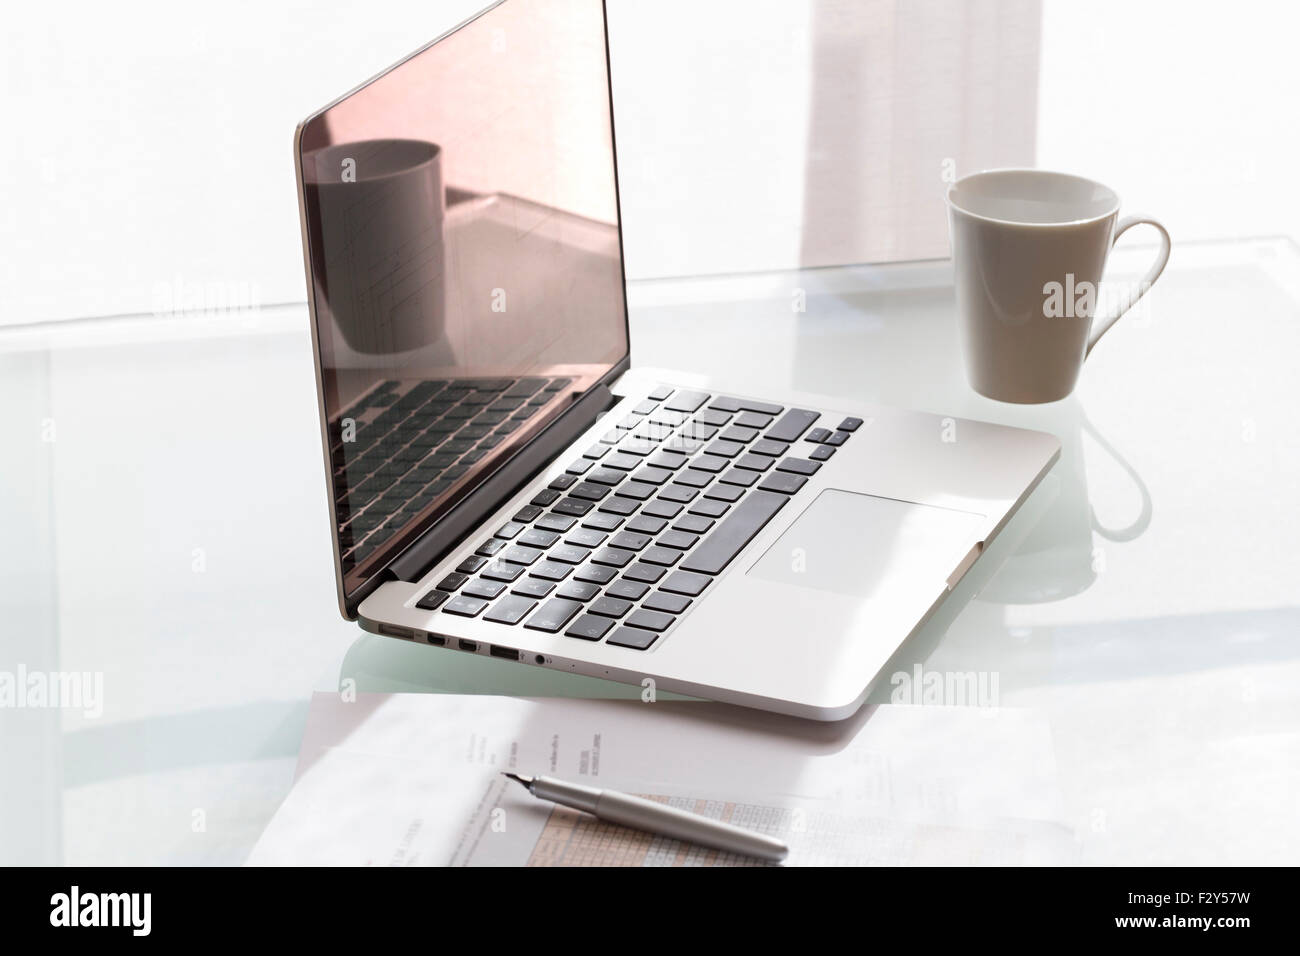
(463, 250)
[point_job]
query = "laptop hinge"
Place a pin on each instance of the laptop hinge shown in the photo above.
(432, 546)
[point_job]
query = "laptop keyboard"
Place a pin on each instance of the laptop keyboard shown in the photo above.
(635, 530)
(410, 447)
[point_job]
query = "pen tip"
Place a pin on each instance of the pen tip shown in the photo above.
(523, 779)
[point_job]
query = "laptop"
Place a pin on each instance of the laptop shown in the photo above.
(502, 481)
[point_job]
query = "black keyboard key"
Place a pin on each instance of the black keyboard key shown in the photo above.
(585, 538)
(679, 540)
(662, 509)
(725, 449)
(730, 404)
(822, 452)
(670, 460)
(589, 491)
(710, 463)
(753, 420)
(490, 547)
(818, 435)
(850, 424)
(589, 627)
(621, 462)
(502, 571)
(510, 610)
(647, 573)
(636, 490)
(792, 424)
(574, 507)
(637, 446)
(685, 582)
(773, 449)
(607, 476)
(630, 540)
(694, 524)
(553, 615)
(471, 564)
(509, 530)
(649, 476)
(568, 554)
(579, 467)
(731, 536)
(798, 466)
(527, 513)
(628, 590)
(602, 522)
(596, 451)
(537, 538)
(685, 401)
(550, 571)
(663, 556)
(453, 581)
(482, 588)
(739, 476)
(726, 493)
(634, 637)
(738, 433)
(560, 482)
(661, 392)
(610, 607)
(651, 620)
(521, 554)
(613, 557)
(837, 439)
(754, 462)
(709, 508)
(620, 506)
(713, 417)
(646, 524)
(532, 587)
(595, 574)
(545, 497)
(668, 603)
(463, 606)
(577, 590)
(694, 478)
(432, 601)
(679, 493)
(554, 522)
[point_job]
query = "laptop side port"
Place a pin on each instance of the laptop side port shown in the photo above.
(465, 645)
(437, 640)
(392, 630)
(509, 653)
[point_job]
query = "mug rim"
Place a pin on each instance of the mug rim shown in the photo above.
(1043, 173)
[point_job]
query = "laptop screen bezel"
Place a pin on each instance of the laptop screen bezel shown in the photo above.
(350, 600)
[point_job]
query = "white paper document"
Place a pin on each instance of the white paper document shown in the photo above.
(414, 779)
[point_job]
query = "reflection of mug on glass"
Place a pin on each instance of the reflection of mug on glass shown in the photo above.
(1059, 557)
(1028, 250)
(375, 209)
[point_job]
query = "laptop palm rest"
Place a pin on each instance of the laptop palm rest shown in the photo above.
(864, 545)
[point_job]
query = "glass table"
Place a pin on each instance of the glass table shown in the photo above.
(166, 542)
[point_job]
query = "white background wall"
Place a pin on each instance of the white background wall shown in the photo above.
(149, 148)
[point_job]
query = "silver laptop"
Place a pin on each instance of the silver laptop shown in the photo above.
(503, 482)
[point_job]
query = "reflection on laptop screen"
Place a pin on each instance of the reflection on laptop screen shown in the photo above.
(461, 220)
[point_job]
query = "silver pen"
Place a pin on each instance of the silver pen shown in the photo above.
(641, 814)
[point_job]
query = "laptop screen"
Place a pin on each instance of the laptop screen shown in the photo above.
(462, 240)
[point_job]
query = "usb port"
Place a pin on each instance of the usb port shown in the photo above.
(509, 653)
(437, 640)
(465, 645)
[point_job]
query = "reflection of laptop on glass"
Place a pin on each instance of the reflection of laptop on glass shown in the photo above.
(502, 483)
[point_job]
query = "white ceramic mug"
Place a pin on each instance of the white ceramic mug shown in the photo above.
(1028, 250)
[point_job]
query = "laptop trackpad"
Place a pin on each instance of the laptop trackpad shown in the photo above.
(858, 544)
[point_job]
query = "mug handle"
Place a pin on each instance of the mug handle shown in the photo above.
(1103, 324)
